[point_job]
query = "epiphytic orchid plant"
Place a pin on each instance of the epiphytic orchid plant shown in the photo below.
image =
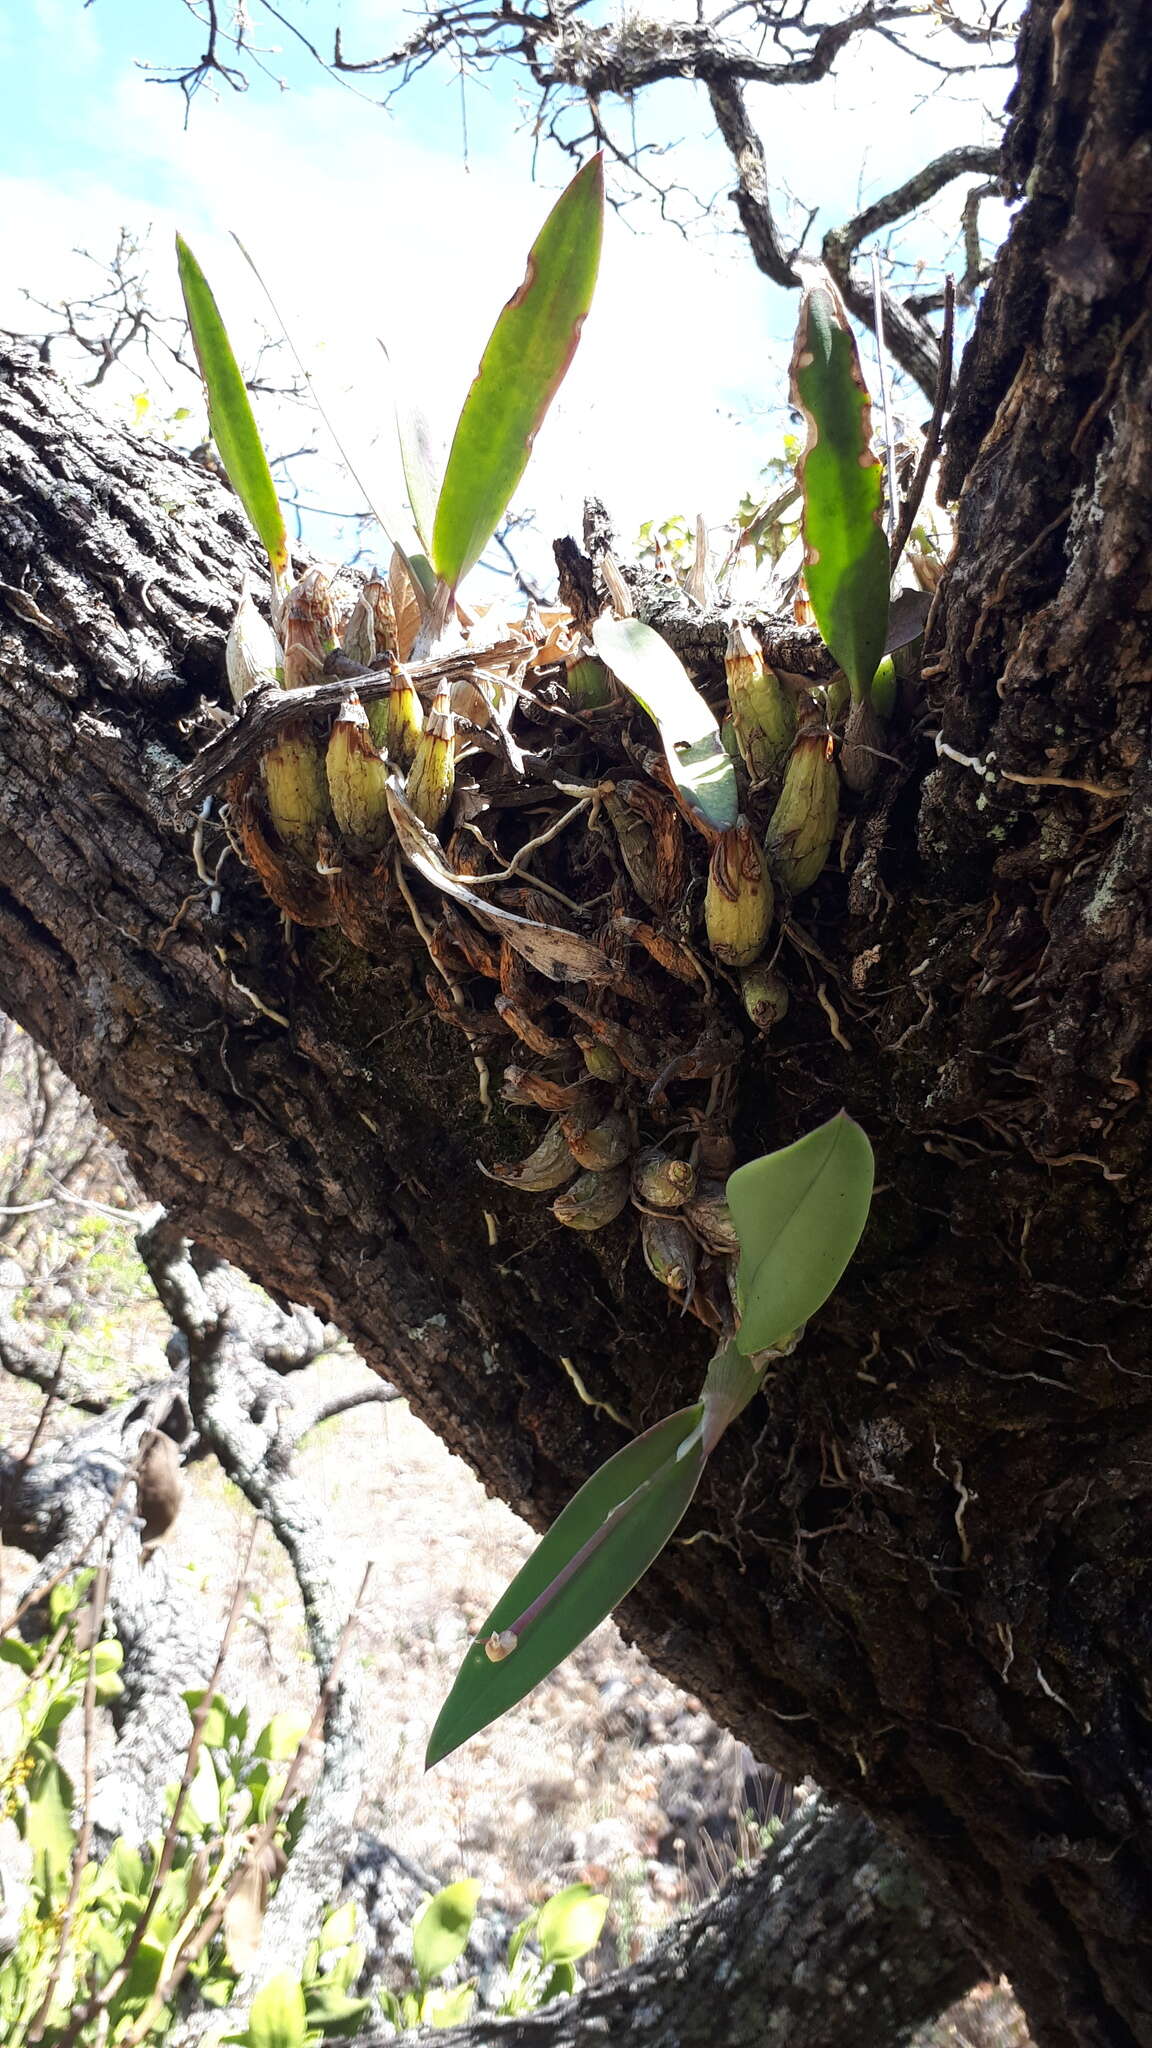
(798, 1215)
(454, 516)
(762, 790)
(522, 367)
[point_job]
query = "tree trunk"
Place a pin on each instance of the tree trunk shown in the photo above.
(922, 1567)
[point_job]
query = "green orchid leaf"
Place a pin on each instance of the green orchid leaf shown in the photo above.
(799, 1215)
(602, 1542)
(845, 551)
(421, 575)
(528, 353)
(700, 765)
(278, 2016)
(441, 1928)
(229, 412)
(731, 1383)
(419, 460)
(571, 1923)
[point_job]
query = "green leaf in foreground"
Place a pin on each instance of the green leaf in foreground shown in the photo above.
(441, 1928)
(799, 1214)
(845, 551)
(571, 1923)
(229, 412)
(593, 1554)
(278, 2018)
(650, 672)
(521, 369)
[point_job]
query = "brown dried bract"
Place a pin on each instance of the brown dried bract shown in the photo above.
(303, 895)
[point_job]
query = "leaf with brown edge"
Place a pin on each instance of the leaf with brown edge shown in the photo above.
(523, 365)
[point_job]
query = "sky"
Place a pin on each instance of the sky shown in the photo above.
(411, 225)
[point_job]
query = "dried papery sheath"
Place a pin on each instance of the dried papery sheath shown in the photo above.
(432, 776)
(308, 629)
(661, 1182)
(763, 711)
(358, 638)
(466, 857)
(251, 654)
(803, 825)
(738, 899)
(526, 1027)
(522, 1085)
(500, 1644)
(863, 746)
(378, 595)
(592, 1201)
(651, 838)
(357, 780)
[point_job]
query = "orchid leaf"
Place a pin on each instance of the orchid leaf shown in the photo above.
(799, 1215)
(845, 552)
(528, 353)
(731, 1383)
(593, 1554)
(652, 673)
(419, 459)
(230, 414)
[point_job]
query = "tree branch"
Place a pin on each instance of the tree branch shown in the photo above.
(794, 1951)
(246, 1415)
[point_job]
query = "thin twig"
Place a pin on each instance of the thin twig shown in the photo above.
(931, 446)
(885, 389)
(41, 1420)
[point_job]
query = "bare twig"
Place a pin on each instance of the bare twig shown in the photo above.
(931, 447)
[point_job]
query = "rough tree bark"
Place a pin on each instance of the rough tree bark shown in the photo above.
(923, 1568)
